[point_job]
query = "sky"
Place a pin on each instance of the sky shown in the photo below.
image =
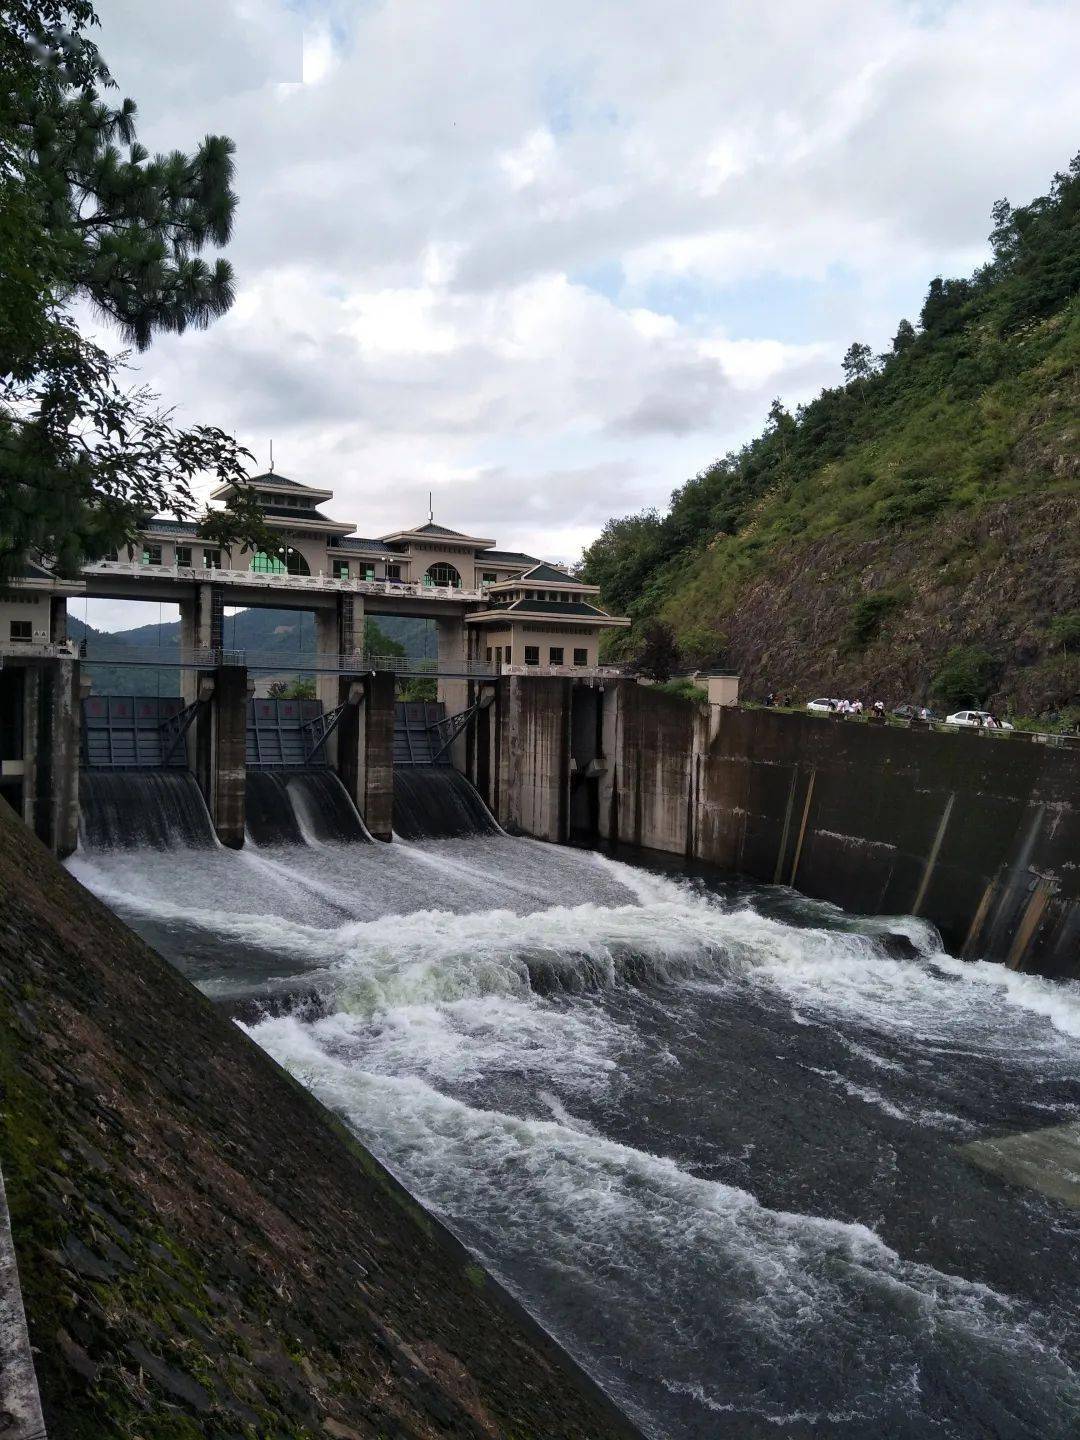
(549, 260)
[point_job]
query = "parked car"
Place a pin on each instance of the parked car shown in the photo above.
(822, 707)
(913, 712)
(975, 719)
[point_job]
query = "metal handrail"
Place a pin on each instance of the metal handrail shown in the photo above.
(271, 581)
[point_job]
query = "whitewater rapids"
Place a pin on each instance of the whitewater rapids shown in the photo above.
(707, 1133)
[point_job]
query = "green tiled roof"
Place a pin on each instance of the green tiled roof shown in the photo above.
(548, 575)
(431, 529)
(512, 557)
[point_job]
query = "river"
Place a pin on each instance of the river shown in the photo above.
(707, 1132)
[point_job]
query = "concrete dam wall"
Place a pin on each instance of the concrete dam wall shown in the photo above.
(979, 835)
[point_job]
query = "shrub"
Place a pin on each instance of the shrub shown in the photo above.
(867, 615)
(966, 677)
(1064, 630)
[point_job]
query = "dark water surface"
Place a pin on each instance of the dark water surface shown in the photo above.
(708, 1133)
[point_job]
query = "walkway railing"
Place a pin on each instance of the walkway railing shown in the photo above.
(265, 580)
(281, 661)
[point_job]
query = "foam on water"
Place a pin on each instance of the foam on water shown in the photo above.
(574, 1086)
(801, 1285)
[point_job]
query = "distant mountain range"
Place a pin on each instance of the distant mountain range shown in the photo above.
(290, 633)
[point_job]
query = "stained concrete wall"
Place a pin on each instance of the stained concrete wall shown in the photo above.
(981, 836)
(521, 758)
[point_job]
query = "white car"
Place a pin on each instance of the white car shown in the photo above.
(975, 720)
(821, 707)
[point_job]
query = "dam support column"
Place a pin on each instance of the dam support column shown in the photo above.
(49, 764)
(202, 628)
(531, 765)
(365, 752)
(452, 691)
(339, 634)
(221, 749)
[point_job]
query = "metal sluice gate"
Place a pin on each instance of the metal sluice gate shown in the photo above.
(137, 732)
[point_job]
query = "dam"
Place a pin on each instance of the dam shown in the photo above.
(743, 1049)
(709, 1131)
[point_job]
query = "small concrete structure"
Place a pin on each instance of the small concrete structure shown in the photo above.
(1044, 1160)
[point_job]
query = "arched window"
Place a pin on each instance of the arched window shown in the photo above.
(283, 561)
(443, 574)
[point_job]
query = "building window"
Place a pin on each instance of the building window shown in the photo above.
(151, 555)
(507, 657)
(489, 577)
(283, 561)
(341, 570)
(21, 632)
(555, 654)
(183, 554)
(581, 657)
(443, 574)
(369, 572)
(488, 656)
(393, 572)
(211, 559)
(532, 654)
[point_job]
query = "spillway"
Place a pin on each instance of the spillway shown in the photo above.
(434, 802)
(294, 807)
(711, 1134)
(132, 809)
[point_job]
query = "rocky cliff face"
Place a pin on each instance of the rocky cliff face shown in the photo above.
(204, 1251)
(989, 579)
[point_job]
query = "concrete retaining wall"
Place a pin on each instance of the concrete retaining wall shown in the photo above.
(981, 836)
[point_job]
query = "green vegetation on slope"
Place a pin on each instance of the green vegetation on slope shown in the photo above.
(921, 517)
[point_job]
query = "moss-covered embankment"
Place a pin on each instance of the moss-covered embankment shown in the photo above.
(204, 1250)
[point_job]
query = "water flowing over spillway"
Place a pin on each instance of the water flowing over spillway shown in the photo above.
(291, 807)
(434, 802)
(708, 1133)
(132, 809)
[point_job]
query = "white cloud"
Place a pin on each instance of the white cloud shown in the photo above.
(420, 220)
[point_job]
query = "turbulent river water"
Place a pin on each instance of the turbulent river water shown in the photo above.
(709, 1134)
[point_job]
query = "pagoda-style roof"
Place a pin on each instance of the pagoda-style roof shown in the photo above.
(507, 557)
(431, 531)
(545, 574)
(279, 484)
(544, 577)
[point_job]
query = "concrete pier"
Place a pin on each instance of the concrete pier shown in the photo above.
(220, 749)
(365, 748)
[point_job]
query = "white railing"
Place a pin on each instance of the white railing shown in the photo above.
(260, 579)
(601, 672)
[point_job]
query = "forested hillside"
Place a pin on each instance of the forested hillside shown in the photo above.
(911, 533)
